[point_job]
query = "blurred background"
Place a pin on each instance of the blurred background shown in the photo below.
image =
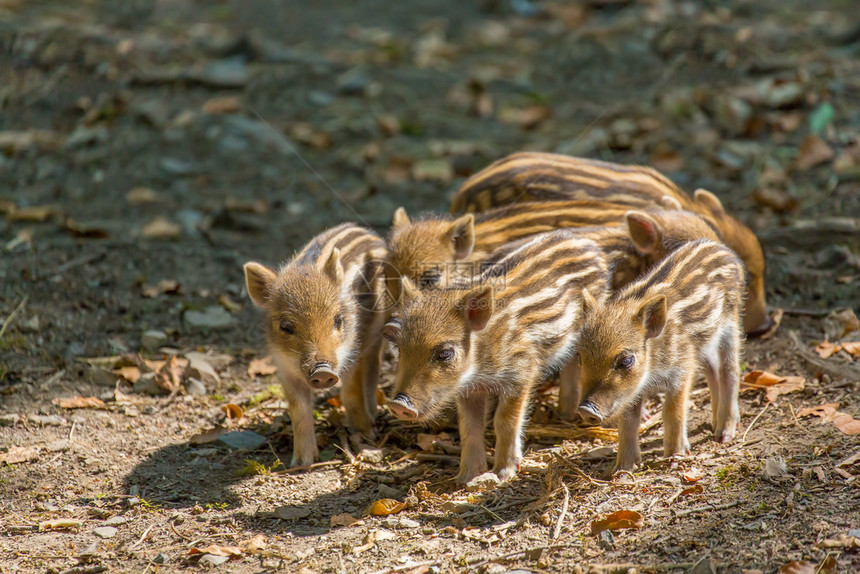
(148, 148)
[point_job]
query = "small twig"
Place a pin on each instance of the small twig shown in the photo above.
(707, 507)
(179, 534)
(11, 316)
(497, 508)
(76, 262)
(72, 430)
(84, 570)
(145, 534)
(480, 562)
(794, 415)
(557, 530)
(425, 457)
(754, 421)
(309, 466)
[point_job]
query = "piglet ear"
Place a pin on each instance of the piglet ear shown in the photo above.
(644, 231)
(652, 315)
(332, 266)
(259, 280)
(478, 307)
(670, 203)
(400, 218)
(462, 234)
(710, 201)
(391, 330)
(589, 303)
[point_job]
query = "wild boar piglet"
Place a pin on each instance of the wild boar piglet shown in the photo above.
(654, 335)
(323, 321)
(498, 335)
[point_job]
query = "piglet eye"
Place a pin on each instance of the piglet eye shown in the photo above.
(444, 354)
(287, 327)
(625, 361)
(429, 279)
(338, 321)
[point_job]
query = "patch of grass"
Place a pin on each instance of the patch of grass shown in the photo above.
(254, 468)
(272, 392)
(150, 506)
(13, 342)
(234, 388)
(216, 505)
(218, 397)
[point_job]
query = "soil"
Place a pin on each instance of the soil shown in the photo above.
(147, 142)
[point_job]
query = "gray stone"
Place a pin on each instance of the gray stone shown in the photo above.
(161, 558)
(213, 317)
(116, 521)
(189, 219)
(201, 368)
(174, 166)
(392, 522)
(9, 419)
(146, 385)
(320, 99)
(101, 377)
(371, 455)
(386, 491)
(59, 445)
(484, 481)
(153, 339)
(241, 440)
(195, 387)
(292, 512)
(105, 531)
(230, 73)
(83, 136)
(47, 420)
(266, 49)
(213, 560)
(353, 82)
(606, 540)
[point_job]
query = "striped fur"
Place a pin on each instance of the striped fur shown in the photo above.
(532, 176)
(504, 330)
(320, 318)
(426, 250)
(654, 335)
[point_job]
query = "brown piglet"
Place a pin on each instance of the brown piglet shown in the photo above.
(653, 336)
(323, 322)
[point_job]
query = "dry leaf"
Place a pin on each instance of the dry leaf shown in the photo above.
(813, 151)
(841, 542)
(695, 489)
(222, 105)
(140, 195)
(80, 402)
(130, 374)
(345, 519)
(525, 118)
(264, 367)
(776, 317)
(824, 411)
(797, 567)
(847, 424)
(837, 324)
(789, 385)
(425, 441)
(618, 521)
(381, 399)
(253, 545)
(161, 228)
(775, 385)
(385, 506)
(18, 454)
(335, 401)
(826, 349)
(666, 159)
(693, 475)
(228, 304)
(231, 551)
(83, 230)
(207, 436)
(233, 412)
(169, 377)
(165, 286)
(60, 524)
(852, 348)
(762, 378)
(35, 214)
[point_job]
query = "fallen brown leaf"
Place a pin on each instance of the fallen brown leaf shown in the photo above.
(841, 542)
(813, 151)
(130, 374)
(776, 317)
(774, 385)
(84, 230)
(231, 306)
(618, 521)
(345, 519)
(693, 474)
(161, 228)
(140, 195)
(847, 424)
(79, 402)
(234, 413)
(789, 385)
(163, 287)
(169, 376)
(18, 454)
(385, 507)
(335, 401)
(826, 349)
(253, 545)
(823, 411)
(852, 348)
(525, 118)
(425, 441)
(695, 489)
(263, 367)
(798, 567)
(206, 437)
(231, 551)
(60, 524)
(221, 105)
(35, 214)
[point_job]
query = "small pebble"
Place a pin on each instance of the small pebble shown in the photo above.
(105, 531)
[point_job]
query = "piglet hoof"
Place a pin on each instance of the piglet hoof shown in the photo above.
(466, 475)
(303, 459)
(726, 435)
(627, 464)
(507, 472)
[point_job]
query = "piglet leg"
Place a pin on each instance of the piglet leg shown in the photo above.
(300, 399)
(675, 418)
(509, 422)
(473, 458)
(629, 455)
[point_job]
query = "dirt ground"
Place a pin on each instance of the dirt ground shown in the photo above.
(149, 148)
